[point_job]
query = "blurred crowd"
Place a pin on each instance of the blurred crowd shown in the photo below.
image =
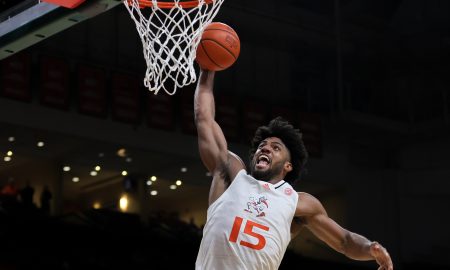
(14, 199)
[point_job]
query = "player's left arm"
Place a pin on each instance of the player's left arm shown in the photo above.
(350, 244)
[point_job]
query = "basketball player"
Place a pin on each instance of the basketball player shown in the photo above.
(252, 217)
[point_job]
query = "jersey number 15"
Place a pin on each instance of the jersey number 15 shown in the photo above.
(248, 229)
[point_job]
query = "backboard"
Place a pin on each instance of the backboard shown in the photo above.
(25, 23)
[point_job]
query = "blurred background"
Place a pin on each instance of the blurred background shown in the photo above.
(97, 172)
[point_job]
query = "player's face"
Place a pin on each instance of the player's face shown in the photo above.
(270, 159)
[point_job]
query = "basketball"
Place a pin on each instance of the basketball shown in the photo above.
(219, 47)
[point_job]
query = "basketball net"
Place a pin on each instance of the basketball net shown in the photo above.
(170, 33)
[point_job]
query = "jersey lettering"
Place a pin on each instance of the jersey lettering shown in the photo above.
(248, 229)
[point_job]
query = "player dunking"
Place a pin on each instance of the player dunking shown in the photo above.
(252, 217)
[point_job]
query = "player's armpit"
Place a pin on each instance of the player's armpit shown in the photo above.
(224, 175)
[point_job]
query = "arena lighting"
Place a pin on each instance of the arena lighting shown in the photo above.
(178, 182)
(9, 153)
(124, 173)
(122, 152)
(66, 168)
(40, 144)
(76, 179)
(96, 205)
(11, 139)
(173, 187)
(153, 178)
(123, 203)
(149, 183)
(97, 168)
(154, 192)
(93, 173)
(128, 159)
(7, 159)
(183, 169)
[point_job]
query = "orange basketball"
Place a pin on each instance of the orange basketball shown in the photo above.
(219, 47)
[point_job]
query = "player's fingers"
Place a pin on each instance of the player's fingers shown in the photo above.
(386, 264)
(383, 261)
(390, 266)
(381, 256)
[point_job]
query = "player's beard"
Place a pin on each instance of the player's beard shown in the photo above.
(266, 175)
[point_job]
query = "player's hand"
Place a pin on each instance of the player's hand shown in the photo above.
(381, 256)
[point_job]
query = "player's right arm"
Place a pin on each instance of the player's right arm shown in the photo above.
(212, 144)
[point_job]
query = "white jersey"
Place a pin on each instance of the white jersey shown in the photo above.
(248, 226)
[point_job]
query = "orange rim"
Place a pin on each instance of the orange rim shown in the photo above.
(168, 5)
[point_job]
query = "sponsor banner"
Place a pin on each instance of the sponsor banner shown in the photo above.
(15, 77)
(125, 98)
(92, 91)
(54, 83)
(160, 111)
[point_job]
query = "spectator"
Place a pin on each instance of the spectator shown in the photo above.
(9, 194)
(26, 195)
(46, 196)
(10, 188)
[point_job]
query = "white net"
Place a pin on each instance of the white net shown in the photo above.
(170, 33)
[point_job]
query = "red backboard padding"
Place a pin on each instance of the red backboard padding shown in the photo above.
(65, 3)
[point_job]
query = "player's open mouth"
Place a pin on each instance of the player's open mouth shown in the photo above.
(262, 162)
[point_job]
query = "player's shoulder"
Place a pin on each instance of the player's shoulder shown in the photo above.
(236, 160)
(307, 198)
(235, 164)
(308, 204)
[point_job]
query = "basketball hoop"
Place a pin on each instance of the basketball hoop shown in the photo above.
(170, 32)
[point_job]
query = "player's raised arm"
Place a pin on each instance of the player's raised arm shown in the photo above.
(350, 244)
(211, 141)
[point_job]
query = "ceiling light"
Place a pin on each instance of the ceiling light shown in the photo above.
(153, 178)
(123, 203)
(93, 173)
(66, 168)
(183, 169)
(96, 205)
(154, 192)
(178, 182)
(149, 183)
(76, 179)
(11, 139)
(124, 173)
(97, 168)
(173, 187)
(40, 144)
(122, 152)
(128, 159)
(7, 159)
(101, 154)
(9, 153)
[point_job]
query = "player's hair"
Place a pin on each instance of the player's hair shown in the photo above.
(291, 137)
